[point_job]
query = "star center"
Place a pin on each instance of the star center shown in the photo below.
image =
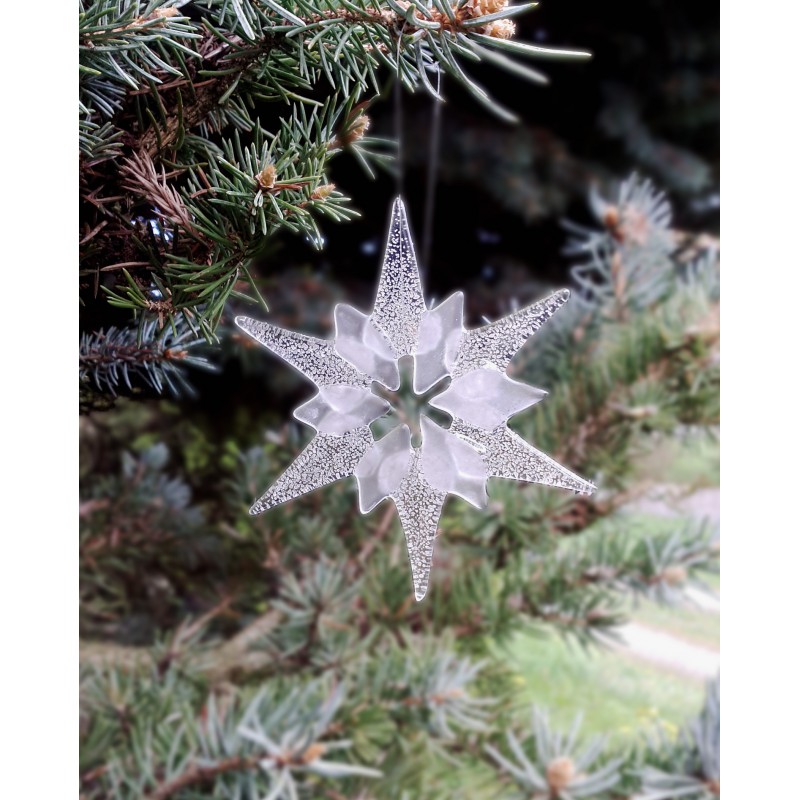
(408, 405)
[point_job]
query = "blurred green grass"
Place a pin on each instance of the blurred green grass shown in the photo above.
(618, 695)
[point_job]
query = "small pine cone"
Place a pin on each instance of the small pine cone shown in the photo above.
(501, 29)
(266, 178)
(322, 192)
(560, 773)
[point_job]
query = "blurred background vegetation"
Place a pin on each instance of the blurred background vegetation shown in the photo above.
(282, 656)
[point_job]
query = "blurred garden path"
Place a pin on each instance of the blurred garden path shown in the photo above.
(671, 652)
(658, 646)
(672, 500)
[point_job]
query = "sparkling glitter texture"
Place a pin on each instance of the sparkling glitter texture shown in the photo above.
(481, 398)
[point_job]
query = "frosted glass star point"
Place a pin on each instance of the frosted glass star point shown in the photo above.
(481, 398)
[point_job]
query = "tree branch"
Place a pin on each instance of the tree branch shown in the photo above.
(197, 774)
(231, 661)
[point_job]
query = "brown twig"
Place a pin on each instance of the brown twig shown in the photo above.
(177, 83)
(380, 532)
(139, 176)
(203, 774)
(198, 774)
(229, 661)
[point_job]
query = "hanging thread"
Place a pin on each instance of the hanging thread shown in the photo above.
(433, 168)
(434, 146)
(398, 116)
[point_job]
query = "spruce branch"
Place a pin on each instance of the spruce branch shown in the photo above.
(197, 774)
(141, 358)
(234, 660)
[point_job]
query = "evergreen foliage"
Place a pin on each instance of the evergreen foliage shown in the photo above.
(206, 128)
(138, 359)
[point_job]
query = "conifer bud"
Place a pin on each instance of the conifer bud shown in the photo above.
(674, 575)
(359, 127)
(312, 753)
(323, 191)
(611, 217)
(480, 8)
(560, 773)
(501, 29)
(266, 178)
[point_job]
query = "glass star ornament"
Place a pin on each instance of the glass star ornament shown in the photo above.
(363, 356)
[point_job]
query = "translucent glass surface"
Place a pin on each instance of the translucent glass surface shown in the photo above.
(339, 408)
(381, 471)
(451, 465)
(440, 332)
(486, 398)
(358, 341)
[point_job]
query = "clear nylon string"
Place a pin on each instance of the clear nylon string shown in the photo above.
(433, 167)
(398, 118)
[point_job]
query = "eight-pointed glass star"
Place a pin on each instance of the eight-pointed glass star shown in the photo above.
(480, 399)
